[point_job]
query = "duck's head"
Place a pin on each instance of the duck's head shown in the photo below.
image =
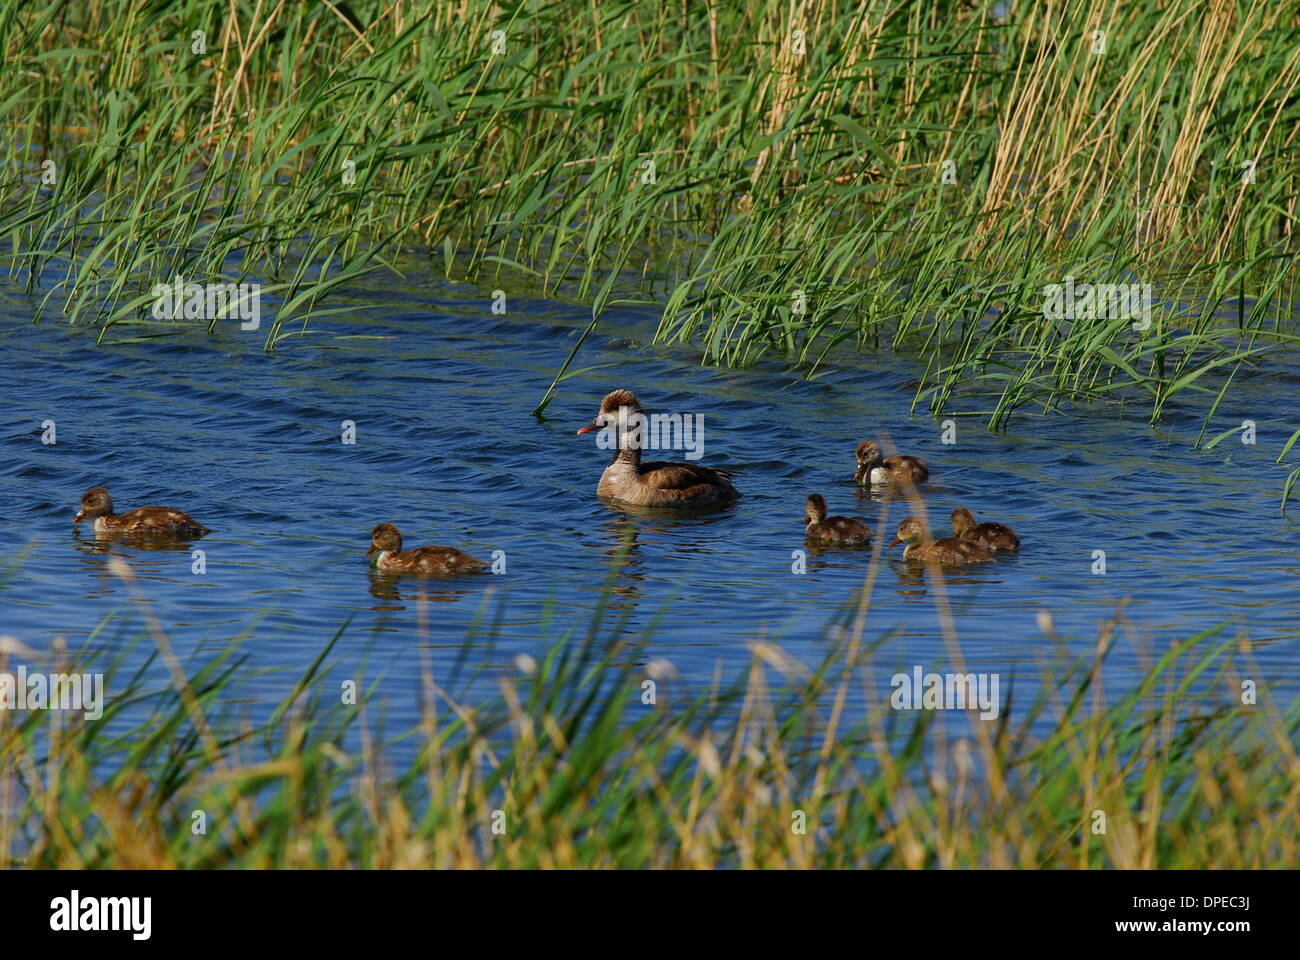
(610, 407)
(95, 502)
(909, 531)
(868, 455)
(814, 509)
(385, 537)
(962, 520)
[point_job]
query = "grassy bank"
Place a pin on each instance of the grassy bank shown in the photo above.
(773, 174)
(570, 766)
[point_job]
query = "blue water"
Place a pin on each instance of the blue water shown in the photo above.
(441, 393)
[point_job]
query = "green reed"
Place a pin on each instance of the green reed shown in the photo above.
(569, 766)
(775, 175)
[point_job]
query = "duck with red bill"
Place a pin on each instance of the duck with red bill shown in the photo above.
(629, 480)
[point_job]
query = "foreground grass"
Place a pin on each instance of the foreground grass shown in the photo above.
(568, 766)
(773, 174)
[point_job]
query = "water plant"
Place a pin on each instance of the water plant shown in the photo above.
(572, 764)
(786, 180)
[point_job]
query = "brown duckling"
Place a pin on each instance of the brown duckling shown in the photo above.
(993, 537)
(948, 552)
(651, 484)
(878, 470)
(387, 556)
(97, 507)
(832, 531)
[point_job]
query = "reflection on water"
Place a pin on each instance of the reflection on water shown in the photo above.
(404, 589)
(914, 579)
(123, 544)
(441, 394)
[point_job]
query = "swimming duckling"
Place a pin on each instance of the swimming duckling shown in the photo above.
(832, 531)
(878, 470)
(97, 507)
(993, 537)
(948, 552)
(389, 557)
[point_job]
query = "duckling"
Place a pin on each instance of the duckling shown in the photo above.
(387, 556)
(832, 531)
(878, 470)
(948, 552)
(651, 484)
(97, 507)
(993, 537)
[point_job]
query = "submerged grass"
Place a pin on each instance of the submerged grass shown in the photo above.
(786, 766)
(775, 172)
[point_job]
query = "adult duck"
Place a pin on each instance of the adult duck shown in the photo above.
(655, 484)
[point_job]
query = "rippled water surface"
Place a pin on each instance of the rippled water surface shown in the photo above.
(441, 390)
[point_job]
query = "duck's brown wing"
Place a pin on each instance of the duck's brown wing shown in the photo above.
(159, 521)
(438, 560)
(960, 550)
(687, 478)
(908, 468)
(840, 532)
(996, 536)
(846, 527)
